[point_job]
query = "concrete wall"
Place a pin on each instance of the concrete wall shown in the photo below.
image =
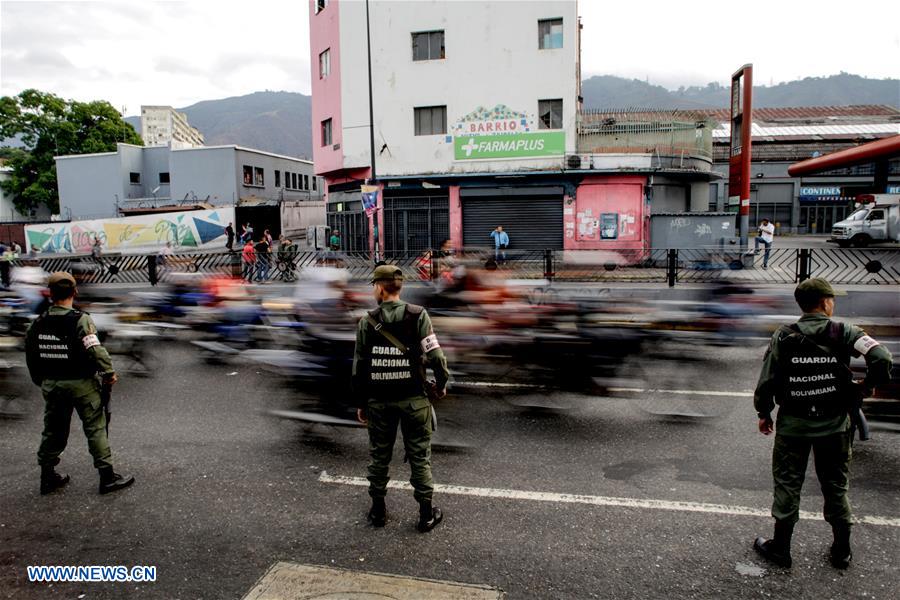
(89, 185)
(270, 163)
(670, 196)
(492, 57)
(297, 216)
(204, 172)
(156, 161)
(324, 34)
(597, 197)
(131, 160)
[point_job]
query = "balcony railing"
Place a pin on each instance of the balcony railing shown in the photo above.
(661, 133)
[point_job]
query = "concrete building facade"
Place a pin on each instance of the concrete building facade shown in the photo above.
(136, 180)
(478, 123)
(783, 136)
(163, 125)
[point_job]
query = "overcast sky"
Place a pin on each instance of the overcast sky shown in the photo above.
(134, 52)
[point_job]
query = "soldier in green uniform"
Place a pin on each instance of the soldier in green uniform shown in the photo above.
(394, 343)
(64, 358)
(806, 372)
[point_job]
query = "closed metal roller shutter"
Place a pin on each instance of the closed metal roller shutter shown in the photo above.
(532, 222)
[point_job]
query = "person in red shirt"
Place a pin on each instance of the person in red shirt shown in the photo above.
(248, 257)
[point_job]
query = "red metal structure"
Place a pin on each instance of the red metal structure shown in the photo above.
(878, 152)
(741, 153)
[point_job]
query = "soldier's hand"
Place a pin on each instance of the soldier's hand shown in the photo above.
(361, 416)
(111, 379)
(766, 426)
(440, 393)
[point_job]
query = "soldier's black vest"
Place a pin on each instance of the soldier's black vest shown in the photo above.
(393, 374)
(58, 351)
(813, 373)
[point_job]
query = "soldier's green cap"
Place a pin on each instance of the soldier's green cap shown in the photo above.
(387, 273)
(815, 288)
(61, 279)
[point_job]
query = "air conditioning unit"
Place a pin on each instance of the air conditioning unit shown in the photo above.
(578, 161)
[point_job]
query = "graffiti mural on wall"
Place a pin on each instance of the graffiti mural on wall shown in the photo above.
(184, 230)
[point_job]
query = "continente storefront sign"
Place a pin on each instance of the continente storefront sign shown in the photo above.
(503, 133)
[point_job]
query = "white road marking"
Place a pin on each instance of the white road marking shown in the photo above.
(614, 389)
(492, 384)
(677, 505)
(684, 392)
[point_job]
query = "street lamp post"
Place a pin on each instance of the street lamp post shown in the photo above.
(373, 178)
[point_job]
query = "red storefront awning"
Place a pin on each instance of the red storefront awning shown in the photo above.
(873, 151)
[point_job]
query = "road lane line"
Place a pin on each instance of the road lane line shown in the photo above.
(691, 392)
(676, 505)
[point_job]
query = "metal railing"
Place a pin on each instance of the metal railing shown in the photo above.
(672, 266)
(664, 133)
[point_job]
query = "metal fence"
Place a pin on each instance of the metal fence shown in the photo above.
(664, 266)
(645, 131)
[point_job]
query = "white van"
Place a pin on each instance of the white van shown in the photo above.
(876, 220)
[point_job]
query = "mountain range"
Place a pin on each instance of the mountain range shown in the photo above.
(280, 122)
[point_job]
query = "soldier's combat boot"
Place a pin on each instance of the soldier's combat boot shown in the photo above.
(840, 549)
(110, 481)
(778, 549)
(51, 480)
(429, 516)
(378, 513)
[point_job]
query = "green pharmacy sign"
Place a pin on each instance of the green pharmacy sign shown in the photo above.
(516, 145)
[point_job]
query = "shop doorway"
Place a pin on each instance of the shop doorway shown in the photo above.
(414, 223)
(819, 218)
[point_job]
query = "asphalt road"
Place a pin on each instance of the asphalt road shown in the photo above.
(224, 491)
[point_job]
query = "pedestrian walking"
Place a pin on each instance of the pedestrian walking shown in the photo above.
(765, 235)
(248, 259)
(64, 358)
(501, 243)
(263, 251)
(394, 343)
(806, 372)
(229, 234)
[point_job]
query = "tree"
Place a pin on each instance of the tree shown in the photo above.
(49, 126)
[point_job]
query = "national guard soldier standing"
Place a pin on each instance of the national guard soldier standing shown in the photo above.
(64, 358)
(393, 344)
(806, 371)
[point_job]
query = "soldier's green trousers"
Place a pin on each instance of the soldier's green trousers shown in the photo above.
(831, 455)
(413, 416)
(58, 409)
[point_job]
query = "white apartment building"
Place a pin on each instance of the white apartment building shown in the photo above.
(455, 95)
(163, 125)
(447, 89)
(477, 123)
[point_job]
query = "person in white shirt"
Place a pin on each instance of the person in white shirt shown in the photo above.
(765, 235)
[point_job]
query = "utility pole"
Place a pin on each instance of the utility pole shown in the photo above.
(373, 178)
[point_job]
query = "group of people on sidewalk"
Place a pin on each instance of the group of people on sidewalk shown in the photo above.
(256, 258)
